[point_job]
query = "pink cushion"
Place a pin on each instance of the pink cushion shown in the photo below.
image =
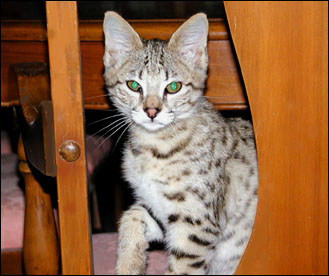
(5, 143)
(12, 204)
(104, 249)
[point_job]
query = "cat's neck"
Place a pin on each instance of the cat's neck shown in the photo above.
(164, 139)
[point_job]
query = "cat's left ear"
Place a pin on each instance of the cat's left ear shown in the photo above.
(190, 40)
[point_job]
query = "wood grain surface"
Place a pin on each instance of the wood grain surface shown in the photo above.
(40, 242)
(12, 261)
(66, 92)
(92, 30)
(223, 85)
(282, 48)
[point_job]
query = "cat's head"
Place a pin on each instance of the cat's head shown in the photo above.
(152, 82)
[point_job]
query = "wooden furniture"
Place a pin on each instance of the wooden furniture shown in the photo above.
(225, 91)
(17, 45)
(62, 139)
(69, 134)
(282, 49)
(40, 243)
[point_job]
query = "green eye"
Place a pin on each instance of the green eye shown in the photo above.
(173, 87)
(134, 86)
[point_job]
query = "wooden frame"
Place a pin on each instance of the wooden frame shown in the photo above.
(282, 49)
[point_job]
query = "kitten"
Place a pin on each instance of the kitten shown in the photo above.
(194, 173)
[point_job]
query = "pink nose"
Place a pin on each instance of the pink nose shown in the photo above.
(152, 112)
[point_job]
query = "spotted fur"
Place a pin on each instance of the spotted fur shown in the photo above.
(193, 172)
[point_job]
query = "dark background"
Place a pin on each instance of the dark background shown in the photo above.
(127, 9)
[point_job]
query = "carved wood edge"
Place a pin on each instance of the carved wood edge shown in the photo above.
(35, 116)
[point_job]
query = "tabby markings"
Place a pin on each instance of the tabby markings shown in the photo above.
(188, 220)
(173, 218)
(181, 254)
(198, 241)
(175, 196)
(211, 231)
(155, 219)
(173, 151)
(197, 264)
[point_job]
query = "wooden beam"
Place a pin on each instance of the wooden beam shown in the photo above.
(66, 91)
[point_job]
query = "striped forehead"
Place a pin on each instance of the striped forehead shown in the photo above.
(153, 56)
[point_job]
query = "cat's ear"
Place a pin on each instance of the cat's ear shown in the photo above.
(190, 40)
(120, 39)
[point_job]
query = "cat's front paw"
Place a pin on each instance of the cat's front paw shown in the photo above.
(128, 270)
(130, 266)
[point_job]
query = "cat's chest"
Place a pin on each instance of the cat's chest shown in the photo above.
(153, 178)
(152, 173)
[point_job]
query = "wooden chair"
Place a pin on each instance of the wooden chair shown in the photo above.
(33, 84)
(66, 144)
(280, 69)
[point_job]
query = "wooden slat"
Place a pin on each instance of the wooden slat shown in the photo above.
(13, 30)
(282, 48)
(92, 30)
(223, 85)
(66, 91)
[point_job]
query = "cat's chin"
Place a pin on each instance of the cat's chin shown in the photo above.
(152, 126)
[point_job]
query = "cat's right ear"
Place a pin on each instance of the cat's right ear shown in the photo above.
(190, 41)
(120, 40)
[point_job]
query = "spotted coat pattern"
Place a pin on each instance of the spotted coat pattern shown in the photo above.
(194, 175)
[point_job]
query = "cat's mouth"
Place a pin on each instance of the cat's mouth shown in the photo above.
(153, 125)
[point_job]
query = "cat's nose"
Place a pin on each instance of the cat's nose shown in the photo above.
(152, 106)
(152, 112)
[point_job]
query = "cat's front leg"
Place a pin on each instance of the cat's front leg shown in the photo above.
(188, 248)
(137, 228)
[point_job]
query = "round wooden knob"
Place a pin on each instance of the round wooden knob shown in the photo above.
(30, 113)
(69, 151)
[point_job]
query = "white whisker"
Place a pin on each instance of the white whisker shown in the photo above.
(114, 127)
(121, 119)
(121, 126)
(130, 123)
(109, 117)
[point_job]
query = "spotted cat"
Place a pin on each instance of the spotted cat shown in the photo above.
(193, 172)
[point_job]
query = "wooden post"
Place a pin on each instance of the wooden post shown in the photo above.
(66, 92)
(40, 244)
(282, 47)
